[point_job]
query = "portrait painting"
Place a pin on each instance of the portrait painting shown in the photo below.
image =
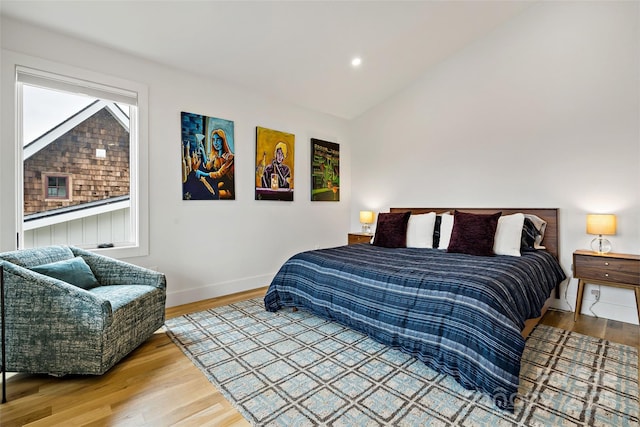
(325, 171)
(274, 164)
(208, 171)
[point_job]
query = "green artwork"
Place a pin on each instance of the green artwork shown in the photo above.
(325, 171)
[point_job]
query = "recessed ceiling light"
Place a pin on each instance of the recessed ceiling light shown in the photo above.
(355, 62)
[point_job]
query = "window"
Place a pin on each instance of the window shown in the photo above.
(57, 187)
(81, 144)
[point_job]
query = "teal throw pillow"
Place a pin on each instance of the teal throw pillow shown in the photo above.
(74, 271)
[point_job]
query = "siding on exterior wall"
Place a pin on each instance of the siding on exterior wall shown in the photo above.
(75, 153)
(109, 227)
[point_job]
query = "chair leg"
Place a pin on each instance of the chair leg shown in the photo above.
(4, 357)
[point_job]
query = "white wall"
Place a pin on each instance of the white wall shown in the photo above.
(206, 248)
(543, 112)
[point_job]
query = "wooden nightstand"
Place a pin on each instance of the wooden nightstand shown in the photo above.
(355, 238)
(617, 270)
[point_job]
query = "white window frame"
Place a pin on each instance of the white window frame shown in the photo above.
(92, 83)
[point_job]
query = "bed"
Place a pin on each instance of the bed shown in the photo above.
(463, 315)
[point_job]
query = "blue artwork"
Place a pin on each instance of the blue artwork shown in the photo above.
(208, 171)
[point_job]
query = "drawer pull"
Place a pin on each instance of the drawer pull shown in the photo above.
(606, 263)
(606, 274)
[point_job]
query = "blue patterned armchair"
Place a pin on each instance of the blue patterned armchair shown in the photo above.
(58, 328)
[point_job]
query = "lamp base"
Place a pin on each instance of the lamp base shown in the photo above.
(366, 228)
(601, 245)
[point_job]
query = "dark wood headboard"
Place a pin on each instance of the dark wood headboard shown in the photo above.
(551, 240)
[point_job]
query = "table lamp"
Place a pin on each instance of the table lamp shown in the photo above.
(366, 219)
(601, 224)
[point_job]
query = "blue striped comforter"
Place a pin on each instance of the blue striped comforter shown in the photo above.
(460, 314)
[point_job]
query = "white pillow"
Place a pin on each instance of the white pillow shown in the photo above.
(446, 227)
(420, 230)
(508, 235)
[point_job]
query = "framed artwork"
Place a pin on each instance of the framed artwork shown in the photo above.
(208, 171)
(325, 171)
(274, 164)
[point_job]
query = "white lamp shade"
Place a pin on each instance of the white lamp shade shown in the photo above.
(366, 217)
(601, 224)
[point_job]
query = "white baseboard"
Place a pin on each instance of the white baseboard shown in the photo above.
(602, 308)
(217, 290)
(610, 311)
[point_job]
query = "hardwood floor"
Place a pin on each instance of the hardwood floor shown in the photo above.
(157, 385)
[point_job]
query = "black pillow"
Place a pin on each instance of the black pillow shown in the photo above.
(473, 234)
(391, 230)
(436, 231)
(529, 234)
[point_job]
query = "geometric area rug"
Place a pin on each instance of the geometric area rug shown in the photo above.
(297, 369)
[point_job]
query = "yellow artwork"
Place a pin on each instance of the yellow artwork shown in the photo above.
(274, 164)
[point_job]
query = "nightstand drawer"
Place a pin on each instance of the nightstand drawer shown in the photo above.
(355, 238)
(606, 269)
(610, 269)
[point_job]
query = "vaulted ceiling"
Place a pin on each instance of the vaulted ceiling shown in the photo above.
(298, 51)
